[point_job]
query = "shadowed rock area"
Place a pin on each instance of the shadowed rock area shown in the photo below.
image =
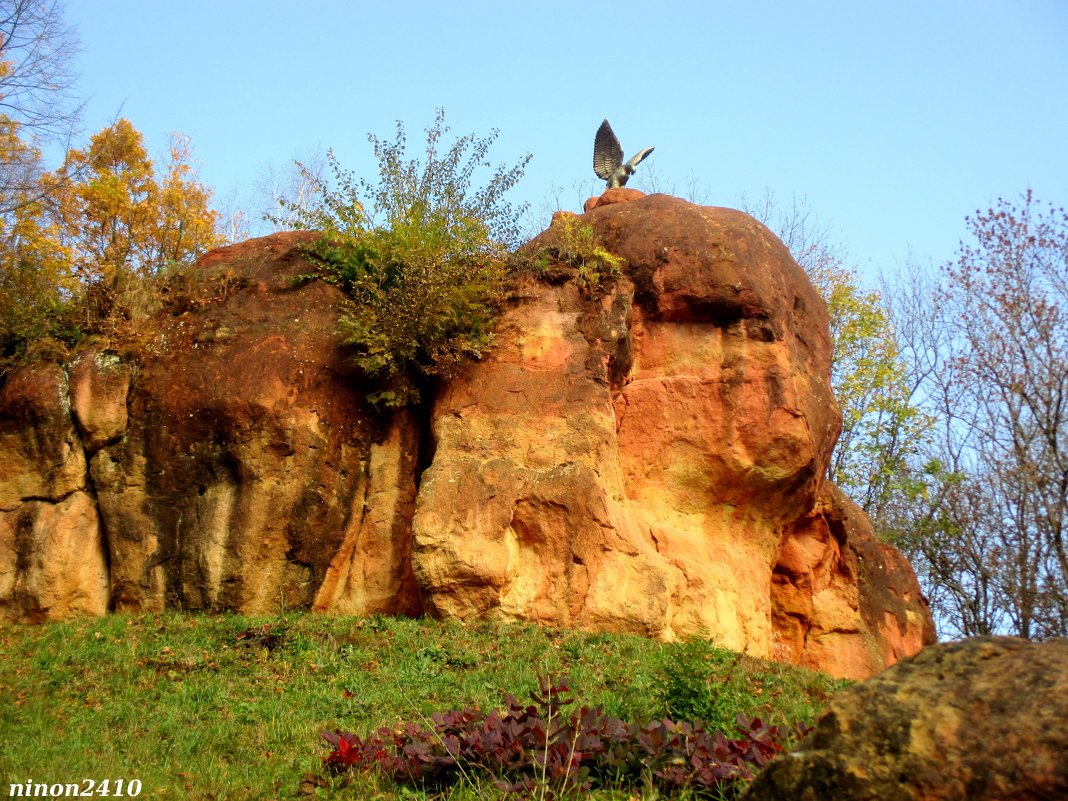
(980, 720)
(648, 459)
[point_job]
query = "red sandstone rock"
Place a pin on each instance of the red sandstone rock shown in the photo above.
(99, 384)
(842, 601)
(618, 195)
(648, 460)
(640, 462)
(250, 474)
(52, 557)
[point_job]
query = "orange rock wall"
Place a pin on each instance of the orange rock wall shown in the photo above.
(651, 460)
(647, 460)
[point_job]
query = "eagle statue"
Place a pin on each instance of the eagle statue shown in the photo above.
(608, 158)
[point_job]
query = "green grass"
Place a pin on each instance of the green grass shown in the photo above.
(230, 707)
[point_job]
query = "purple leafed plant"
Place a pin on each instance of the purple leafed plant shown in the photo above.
(548, 744)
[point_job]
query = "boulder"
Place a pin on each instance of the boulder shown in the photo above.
(831, 581)
(644, 459)
(647, 457)
(978, 720)
(618, 195)
(240, 470)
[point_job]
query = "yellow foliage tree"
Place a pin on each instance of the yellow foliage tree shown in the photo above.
(118, 219)
(186, 225)
(35, 280)
(81, 247)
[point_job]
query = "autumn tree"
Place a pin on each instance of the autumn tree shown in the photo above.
(1005, 301)
(82, 256)
(22, 170)
(882, 427)
(20, 166)
(35, 279)
(185, 225)
(37, 104)
(36, 86)
(938, 524)
(121, 218)
(105, 218)
(76, 236)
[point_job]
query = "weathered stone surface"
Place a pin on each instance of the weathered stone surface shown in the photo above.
(371, 571)
(248, 475)
(641, 461)
(243, 479)
(98, 384)
(520, 513)
(979, 720)
(841, 600)
(52, 561)
(618, 195)
(41, 457)
(647, 460)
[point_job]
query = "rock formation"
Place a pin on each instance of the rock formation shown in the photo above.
(239, 468)
(645, 459)
(980, 720)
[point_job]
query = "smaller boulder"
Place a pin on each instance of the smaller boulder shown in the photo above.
(99, 386)
(611, 196)
(978, 720)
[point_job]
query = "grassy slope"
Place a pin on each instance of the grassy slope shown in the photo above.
(197, 708)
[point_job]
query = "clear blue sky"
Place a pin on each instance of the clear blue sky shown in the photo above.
(893, 119)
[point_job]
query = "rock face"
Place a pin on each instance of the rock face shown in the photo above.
(980, 720)
(52, 556)
(828, 567)
(239, 468)
(648, 459)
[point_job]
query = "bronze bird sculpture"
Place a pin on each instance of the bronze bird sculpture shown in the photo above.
(608, 158)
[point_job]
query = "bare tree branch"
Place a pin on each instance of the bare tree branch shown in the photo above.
(37, 49)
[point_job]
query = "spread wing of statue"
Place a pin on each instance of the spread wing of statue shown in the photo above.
(608, 158)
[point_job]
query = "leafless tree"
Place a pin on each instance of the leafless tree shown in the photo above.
(234, 224)
(940, 518)
(988, 345)
(807, 237)
(37, 49)
(1007, 297)
(37, 104)
(285, 196)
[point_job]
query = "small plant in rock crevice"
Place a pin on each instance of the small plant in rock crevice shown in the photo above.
(577, 245)
(422, 254)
